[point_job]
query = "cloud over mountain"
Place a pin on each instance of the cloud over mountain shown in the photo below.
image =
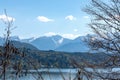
(68, 36)
(50, 34)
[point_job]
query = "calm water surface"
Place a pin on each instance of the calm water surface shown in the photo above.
(50, 74)
(56, 74)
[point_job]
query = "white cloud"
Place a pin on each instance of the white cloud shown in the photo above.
(86, 17)
(69, 36)
(49, 34)
(6, 18)
(75, 30)
(70, 17)
(44, 19)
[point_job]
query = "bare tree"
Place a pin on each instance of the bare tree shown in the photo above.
(105, 23)
(15, 62)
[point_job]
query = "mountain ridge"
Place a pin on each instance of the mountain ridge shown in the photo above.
(55, 42)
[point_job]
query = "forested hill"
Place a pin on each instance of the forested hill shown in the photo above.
(53, 59)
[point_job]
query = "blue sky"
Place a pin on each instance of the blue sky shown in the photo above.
(35, 18)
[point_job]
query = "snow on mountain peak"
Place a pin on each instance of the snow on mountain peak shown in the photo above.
(60, 40)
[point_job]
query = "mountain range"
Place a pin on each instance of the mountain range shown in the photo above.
(56, 43)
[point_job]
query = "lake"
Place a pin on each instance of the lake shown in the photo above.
(58, 74)
(52, 74)
(48, 74)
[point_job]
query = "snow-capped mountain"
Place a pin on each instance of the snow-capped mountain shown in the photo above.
(15, 38)
(49, 43)
(59, 43)
(17, 42)
(28, 40)
(76, 45)
(56, 42)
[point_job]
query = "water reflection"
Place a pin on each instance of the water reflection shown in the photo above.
(50, 74)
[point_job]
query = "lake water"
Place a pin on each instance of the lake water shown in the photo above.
(56, 74)
(52, 74)
(49, 74)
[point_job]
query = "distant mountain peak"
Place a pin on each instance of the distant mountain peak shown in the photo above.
(28, 40)
(54, 42)
(15, 38)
